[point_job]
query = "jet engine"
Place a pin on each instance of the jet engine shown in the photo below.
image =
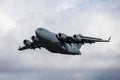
(77, 37)
(27, 42)
(34, 39)
(62, 36)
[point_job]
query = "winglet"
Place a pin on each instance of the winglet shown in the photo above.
(109, 39)
(19, 48)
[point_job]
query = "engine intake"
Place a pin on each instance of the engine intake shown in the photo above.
(34, 39)
(62, 36)
(27, 42)
(77, 37)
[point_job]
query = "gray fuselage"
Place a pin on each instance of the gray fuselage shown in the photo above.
(50, 41)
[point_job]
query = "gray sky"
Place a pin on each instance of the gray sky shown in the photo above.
(98, 18)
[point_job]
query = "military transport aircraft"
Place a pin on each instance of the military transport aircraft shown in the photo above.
(59, 43)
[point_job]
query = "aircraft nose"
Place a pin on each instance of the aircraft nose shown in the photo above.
(39, 32)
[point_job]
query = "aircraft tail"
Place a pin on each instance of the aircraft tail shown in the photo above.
(80, 53)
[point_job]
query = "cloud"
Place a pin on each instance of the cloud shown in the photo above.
(19, 19)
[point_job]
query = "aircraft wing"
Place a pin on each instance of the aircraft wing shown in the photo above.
(24, 48)
(79, 39)
(32, 46)
(90, 40)
(84, 39)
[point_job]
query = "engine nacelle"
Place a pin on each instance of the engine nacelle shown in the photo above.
(27, 42)
(62, 36)
(34, 39)
(77, 37)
